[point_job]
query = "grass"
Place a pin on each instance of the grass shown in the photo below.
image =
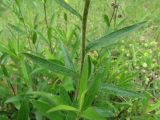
(47, 72)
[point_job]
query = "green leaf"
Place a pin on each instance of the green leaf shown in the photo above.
(43, 107)
(64, 95)
(68, 62)
(4, 118)
(112, 37)
(92, 91)
(17, 2)
(1, 32)
(34, 37)
(120, 91)
(15, 99)
(106, 20)
(23, 113)
(92, 114)
(4, 49)
(51, 66)
(25, 73)
(69, 8)
(84, 78)
(4, 92)
(4, 70)
(153, 107)
(63, 108)
(49, 33)
(81, 100)
(16, 29)
(42, 36)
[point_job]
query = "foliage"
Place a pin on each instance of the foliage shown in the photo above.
(59, 64)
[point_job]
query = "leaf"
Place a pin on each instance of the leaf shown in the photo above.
(4, 118)
(112, 37)
(41, 36)
(43, 107)
(92, 114)
(4, 70)
(16, 28)
(84, 78)
(34, 37)
(106, 20)
(15, 99)
(69, 8)
(4, 92)
(92, 91)
(68, 62)
(17, 2)
(64, 95)
(153, 107)
(1, 32)
(23, 113)
(120, 91)
(49, 33)
(81, 100)
(4, 49)
(63, 108)
(25, 73)
(50, 66)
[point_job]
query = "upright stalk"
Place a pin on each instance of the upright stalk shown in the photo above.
(83, 45)
(47, 26)
(84, 26)
(45, 14)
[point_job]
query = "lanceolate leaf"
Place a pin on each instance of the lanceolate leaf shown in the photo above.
(63, 108)
(16, 29)
(92, 91)
(112, 37)
(67, 59)
(4, 49)
(111, 89)
(84, 78)
(50, 65)
(69, 8)
(106, 20)
(23, 113)
(43, 107)
(92, 114)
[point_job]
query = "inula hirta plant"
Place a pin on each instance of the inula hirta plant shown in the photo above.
(49, 73)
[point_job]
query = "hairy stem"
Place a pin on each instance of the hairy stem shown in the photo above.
(84, 26)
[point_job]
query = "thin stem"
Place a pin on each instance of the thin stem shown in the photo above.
(47, 26)
(45, 14)
(83, 47)
(114, 10)
(84, 26)
(115, 17)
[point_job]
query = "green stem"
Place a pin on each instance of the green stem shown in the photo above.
(47, 26)
(83, 46)
(84, 26)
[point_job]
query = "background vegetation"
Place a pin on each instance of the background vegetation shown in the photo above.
(43, 75)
